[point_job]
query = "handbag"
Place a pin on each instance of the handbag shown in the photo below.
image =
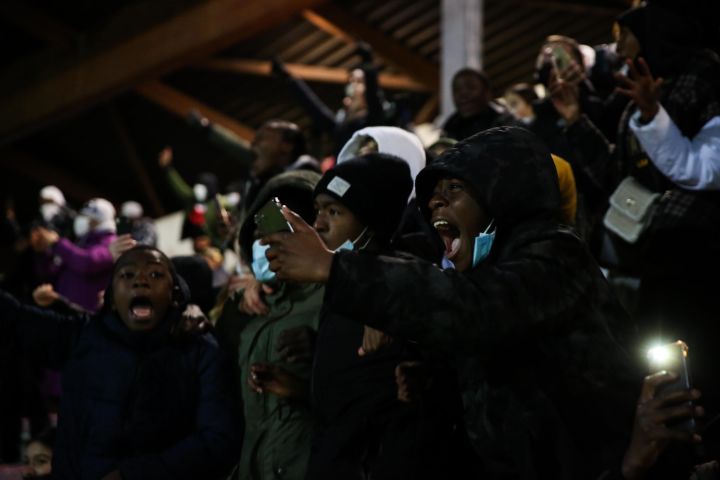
(631, 210)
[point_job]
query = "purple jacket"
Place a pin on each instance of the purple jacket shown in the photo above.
(79, 271)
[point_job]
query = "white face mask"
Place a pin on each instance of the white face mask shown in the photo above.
(81, 225)
(48, 211)
(200, 191)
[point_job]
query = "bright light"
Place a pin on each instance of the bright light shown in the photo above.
(659, 355)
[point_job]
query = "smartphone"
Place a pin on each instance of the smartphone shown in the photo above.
(269, 219)
(123, 225)
(560, 58)
(673, 357)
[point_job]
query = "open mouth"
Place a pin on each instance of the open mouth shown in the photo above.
(450, 236)
(141, 308)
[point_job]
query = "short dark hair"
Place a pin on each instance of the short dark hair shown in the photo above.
(291, 133)
(45, 437)
(476, 73)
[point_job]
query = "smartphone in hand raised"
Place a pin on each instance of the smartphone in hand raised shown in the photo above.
(673, 357)
(269, 219)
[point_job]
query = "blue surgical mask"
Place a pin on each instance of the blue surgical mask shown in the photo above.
(483, 244)
(260, 264)
(350, 244)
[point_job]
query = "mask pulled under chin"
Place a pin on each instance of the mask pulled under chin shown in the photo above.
(349, 245)
(260, 263)
(483, 244)
(481, 249)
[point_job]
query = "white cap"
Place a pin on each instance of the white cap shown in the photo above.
(131, 209)
(53, 194)
(102, 211)
(392, 140)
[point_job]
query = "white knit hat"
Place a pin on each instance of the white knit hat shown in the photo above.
(53, 194)
(392, 140)
(102, 211)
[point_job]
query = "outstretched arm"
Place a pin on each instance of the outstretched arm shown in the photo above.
(45, 334)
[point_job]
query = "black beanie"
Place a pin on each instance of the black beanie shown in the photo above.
(374, 187)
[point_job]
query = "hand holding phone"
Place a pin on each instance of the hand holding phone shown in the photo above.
(673, 358)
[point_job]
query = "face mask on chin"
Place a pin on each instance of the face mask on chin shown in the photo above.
(48, 211)
(349, 245)
(200, 191)
(483, 244)
(81, 225)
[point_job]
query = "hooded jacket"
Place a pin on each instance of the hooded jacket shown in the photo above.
(278, 432)
(529, 331)
(148, 404)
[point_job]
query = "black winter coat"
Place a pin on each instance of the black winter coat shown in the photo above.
(148, 405)
(530, 331)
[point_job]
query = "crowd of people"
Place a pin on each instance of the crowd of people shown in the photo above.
(476, 307)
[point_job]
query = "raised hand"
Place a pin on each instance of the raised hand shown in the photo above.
(565, 97)
(165, 157)
(120, 245)
(651, 435)
(642, 88)
(300, 256)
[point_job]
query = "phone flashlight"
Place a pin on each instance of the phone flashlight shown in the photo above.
(673, 357)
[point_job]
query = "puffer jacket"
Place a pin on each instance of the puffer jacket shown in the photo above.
(149, 405)
(534, 333)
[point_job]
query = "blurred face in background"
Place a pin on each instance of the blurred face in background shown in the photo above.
(39, 459)
(354, 101)
(518, 107)
(272, 151)
(470, 94)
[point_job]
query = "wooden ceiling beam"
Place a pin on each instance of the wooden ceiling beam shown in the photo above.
(183, 38)
(336, 21)
(182, 104)
(308, 72)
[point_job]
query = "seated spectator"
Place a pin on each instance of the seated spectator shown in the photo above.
(141, 399)
(475, 109)
(522, 309)
(80, 270)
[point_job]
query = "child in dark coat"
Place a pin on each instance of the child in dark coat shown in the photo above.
(139, 400)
